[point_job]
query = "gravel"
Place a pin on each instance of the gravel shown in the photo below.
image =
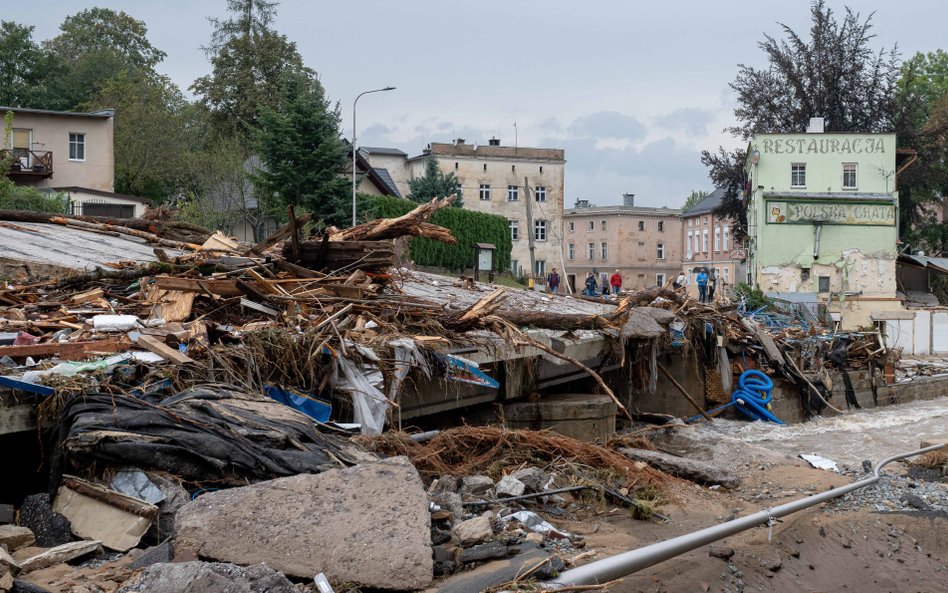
(892, 493)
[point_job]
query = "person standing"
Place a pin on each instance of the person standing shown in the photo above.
(616, 282)
(712, 284)
(591, 285)
(702, 281)
(680, 281)
(553, 281)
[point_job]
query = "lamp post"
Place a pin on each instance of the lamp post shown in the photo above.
(388, 88)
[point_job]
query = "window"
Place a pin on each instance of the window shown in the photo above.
(798, 175)
(849, 175)
(590, 251)
(485, 192)
(540, 268)
(661, 226)
(514, 267)
(660, 251)
(592, 225)
(539, 230)
(690, 221)
(513, 193)
(605, 250)
(539, 193)
(704, 241)
(688, 245)
(571, 226)
(824, 283)
(717, 239)
(641, 225)
(77, 147)
(602, 225)
(659, 279)
(514, 229)
(571, 251)
(697, 241)
(726, 275)
(727, 236)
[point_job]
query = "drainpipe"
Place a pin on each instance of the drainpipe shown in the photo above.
(609, 569)
(817, 231)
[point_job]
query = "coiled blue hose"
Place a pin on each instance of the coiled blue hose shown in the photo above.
(754, 393)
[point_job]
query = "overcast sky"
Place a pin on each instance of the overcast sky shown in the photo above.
(632, 90)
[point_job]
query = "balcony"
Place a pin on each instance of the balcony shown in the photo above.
(28, 163)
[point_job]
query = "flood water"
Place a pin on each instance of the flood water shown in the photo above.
(869, 433)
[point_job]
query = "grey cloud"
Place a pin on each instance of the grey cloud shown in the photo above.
(689, 119)
(607, 124)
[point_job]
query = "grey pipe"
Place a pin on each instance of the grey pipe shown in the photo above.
(620, 565)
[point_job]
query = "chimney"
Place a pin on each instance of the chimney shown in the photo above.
(628, 200)
(582, 203)
(816, 126)
(494, 141)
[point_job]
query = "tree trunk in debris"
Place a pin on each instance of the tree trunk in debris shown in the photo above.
(173, 230)
(414, 223)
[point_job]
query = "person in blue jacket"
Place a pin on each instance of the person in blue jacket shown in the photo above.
(591, 285)
(702, 281)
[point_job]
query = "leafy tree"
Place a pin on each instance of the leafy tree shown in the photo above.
(96, 45)
(834, 74)
(149, 136)
(249, 63)
(302, 153)
(25, 67)
(694, 198)
(219, 192)
(434, 184)
(922, 124)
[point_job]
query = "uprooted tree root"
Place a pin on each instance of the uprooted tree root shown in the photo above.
(492, 451)
(933, 460)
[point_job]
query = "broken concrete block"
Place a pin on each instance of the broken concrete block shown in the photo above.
(509, 486)
(6, 580)
(533, 478)
(367, 524)
(51, 529)
(702, 472)
(482, 552)
(15, 537)
(474, 531)
(8, 563)
(208, 577)
(476, 485)
(60, 554)
(162, 553)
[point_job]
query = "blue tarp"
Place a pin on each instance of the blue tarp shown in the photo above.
(317, 409)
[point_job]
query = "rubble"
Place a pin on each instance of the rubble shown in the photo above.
(701, 472)
(367, 524)
(60, 554)
(209, 577)
(474, 531)
(510, 486)
(14, 537)
(49, 527)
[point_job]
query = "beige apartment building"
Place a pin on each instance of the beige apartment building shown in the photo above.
(707, 242)
(643, 243)
(71, 153)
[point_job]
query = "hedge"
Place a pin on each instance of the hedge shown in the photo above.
(467, 226)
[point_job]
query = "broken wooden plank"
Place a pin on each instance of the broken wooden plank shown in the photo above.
(153, 344)
(258, 307)
(65, 350)
(225, 287)
(684, 392)
(85, 297)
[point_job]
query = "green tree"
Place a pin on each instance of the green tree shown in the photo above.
(694, 198)
(434, 184)
(149, 137)
(249, 63)
(302, 153)
(96, 45)
(25, 68)
(835, 74)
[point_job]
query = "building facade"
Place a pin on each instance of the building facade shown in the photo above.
(642, 243)
(708, 242)
(822, 219)
(514, 182)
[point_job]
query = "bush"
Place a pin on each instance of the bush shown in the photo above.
(18, 197)
(468, 228)
(755, 297)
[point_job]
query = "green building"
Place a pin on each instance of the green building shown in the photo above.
(822, 220)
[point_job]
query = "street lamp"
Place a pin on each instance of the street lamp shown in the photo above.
(388, 88)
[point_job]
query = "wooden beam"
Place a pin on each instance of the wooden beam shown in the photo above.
(226, 287)
(153, 344)
(684, 393)
(65, 350)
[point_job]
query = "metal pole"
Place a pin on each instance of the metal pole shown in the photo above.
(354, 148)
(609, 569)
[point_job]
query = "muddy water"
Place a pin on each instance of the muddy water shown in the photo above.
(869, 433)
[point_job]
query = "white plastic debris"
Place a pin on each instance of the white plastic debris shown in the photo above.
(115, 323)
(134, 482)
(69, 369)
(819, 462)
(368, 402)
(535, 523)
(322, 583)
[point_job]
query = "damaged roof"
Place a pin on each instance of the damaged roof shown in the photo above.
(69, 247)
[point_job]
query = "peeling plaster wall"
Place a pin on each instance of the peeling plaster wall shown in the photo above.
(873, 274)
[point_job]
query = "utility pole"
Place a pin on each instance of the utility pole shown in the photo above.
(530, 230)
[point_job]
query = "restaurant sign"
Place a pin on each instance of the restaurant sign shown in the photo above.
(831, 213)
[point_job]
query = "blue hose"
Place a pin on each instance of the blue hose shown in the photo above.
(753, 396)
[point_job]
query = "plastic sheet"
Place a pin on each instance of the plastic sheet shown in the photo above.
(317, 409)
(535, 523)
(369, 404)
(134, 483)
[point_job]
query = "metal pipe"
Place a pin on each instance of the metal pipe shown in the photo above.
(609, 569)
(487, 501)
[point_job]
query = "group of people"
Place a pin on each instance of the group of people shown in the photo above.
(707, 283)
(592, 285)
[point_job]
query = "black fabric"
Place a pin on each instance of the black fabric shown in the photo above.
(839, 356)
(206, 434)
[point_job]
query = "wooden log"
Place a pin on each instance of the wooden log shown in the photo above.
(168, 229)
(65, 350)
(413, 223)
(684, 392)
(150, 237)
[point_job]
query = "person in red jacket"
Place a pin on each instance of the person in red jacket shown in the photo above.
(616, 282)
